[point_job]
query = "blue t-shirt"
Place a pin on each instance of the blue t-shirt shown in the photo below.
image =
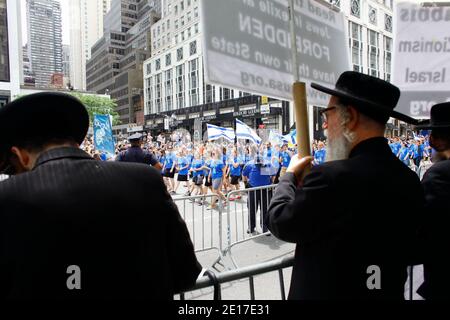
(255, 176)
(319, 156)
(217, 167)
(183, 162)
(235, 171)
(197, 164)
(208, 165)
(404, 152)
(285, 159)
(169, 161)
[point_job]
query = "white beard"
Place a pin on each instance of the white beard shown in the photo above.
(338, 148)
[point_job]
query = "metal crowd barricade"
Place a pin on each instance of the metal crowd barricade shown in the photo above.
(253, 201)
(215, 280)
(205, 235)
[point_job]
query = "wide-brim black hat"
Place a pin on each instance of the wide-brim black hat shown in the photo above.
(440, 117)
(41, 117)
(372, 96)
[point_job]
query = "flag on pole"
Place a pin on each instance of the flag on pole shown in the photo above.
(291, 137)
(215, 132)
(103, 135)
(243, 131)
(276, 138)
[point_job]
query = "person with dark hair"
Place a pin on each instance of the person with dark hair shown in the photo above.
(63, 233)
(436, 185)
(358, 243)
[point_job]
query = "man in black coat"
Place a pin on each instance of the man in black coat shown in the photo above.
(73, 227)
(436, 185)
(352, 218)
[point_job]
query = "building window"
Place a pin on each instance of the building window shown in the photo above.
(355, 8)
(176, 24)
(196, 28)
(193, 82)
(356, 45)
(387, 58)
(158, 91)
(210, 93)
(182, 21)
(180, 86)
(169, 102)
(158, 64)
(387, 23)
(372, 15)
(189, 16)
(4, 47)
(196, 12)
(193, 48)
(180, 54)
(149, 68)
(373, 53)
(168, 59)
(189, 32)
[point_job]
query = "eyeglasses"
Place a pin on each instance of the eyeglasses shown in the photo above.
(323, 113)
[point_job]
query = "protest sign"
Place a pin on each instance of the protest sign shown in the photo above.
(421, 63)
(247, 45)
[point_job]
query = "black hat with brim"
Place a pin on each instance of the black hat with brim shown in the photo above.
(370, 95)
(43, 117)
(440, 118)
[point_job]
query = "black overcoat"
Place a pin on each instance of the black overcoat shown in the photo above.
(349, 217)
(114, 221)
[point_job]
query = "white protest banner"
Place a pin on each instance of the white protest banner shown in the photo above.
(421, 61)
(247, 45)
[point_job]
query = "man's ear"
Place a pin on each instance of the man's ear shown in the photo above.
(23, 157)
(354, 118)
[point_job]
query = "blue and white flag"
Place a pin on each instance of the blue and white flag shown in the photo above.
(103, 135)
(215, 132)
(243, 131)
(276, 138)
(291, 137)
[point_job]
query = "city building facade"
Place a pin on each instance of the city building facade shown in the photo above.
(10, 50)
(174, 75)
(44, 39)
(117, 58)
(86, 27)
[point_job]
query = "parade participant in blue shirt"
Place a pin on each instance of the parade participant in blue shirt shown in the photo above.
(404, 153)
(169, 170)
(254, 177)
(197, 175)
(285, 159)
(183, 171)
(320, 154)
(235, 173)
(217, 174)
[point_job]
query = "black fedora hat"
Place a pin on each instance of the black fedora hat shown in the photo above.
(43, 116)
(370, 95)
(440, 117)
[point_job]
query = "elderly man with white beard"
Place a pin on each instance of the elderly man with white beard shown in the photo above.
(356, 244)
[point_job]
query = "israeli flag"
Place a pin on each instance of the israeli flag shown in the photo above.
(103, 135)
(291, 137)
(243, 131)
(215, 132)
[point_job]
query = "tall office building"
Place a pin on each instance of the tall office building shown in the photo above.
(10, 50)
(86, 27)
(44, 39)
(116, 60)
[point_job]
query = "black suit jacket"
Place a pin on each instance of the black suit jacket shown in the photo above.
(436, 184)
(349, 215)
(115, 221)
